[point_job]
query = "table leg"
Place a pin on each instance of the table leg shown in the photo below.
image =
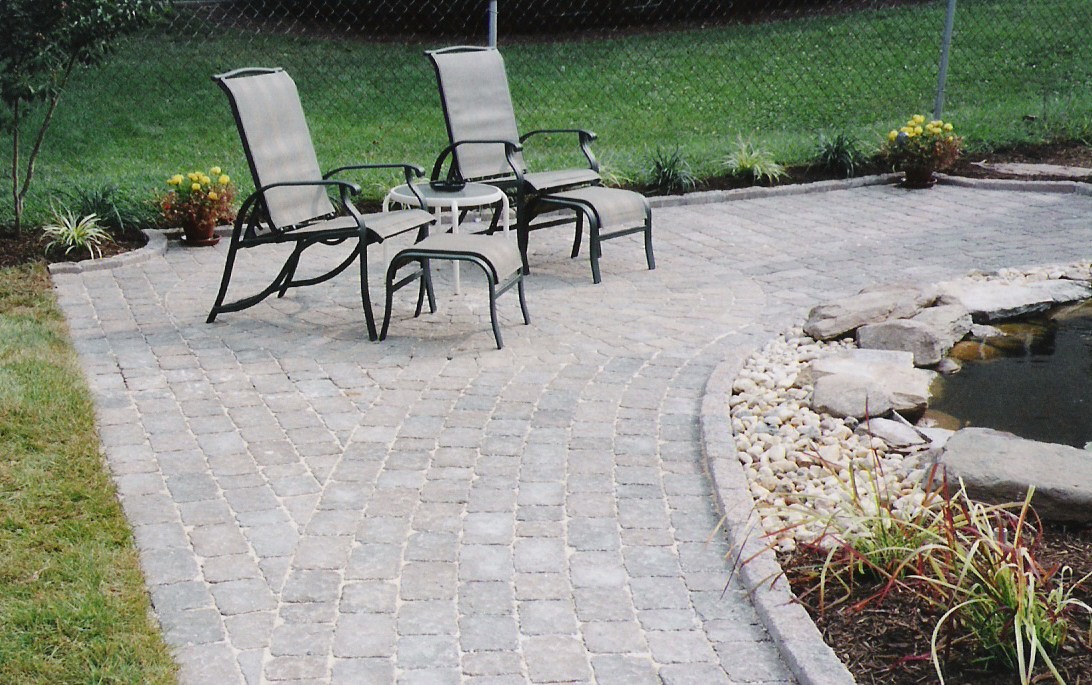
(455, 230)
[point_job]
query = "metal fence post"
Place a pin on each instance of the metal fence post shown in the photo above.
(945, 46)
(491, 18)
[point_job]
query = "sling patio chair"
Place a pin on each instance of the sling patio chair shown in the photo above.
(294, 202)
(485, 146)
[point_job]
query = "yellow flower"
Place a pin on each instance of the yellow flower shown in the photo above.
(195, 187)
(947, 127)
(224, 180)
(918, 119)
(907, 130)
(205, 180)
(193, 176)
(215, 171)
(175, 180)
(892, 135)
(917, 130)
(213, 196)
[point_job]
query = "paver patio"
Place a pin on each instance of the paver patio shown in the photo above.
(313, 507)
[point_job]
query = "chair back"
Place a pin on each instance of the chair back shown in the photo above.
(477, 106)
(277, 143)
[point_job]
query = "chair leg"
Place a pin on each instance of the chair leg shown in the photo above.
(290, 268)
(523, 302)
(594, 247)
(579, 234)
(389, 300)
(365, 295)
(493, 310)
(523, 234)
(425, 288)
(648, 241)
(229, 265)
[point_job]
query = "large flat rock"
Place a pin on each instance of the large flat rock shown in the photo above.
(999, 467)
(862, 383)
(835, 319)
(995, 300)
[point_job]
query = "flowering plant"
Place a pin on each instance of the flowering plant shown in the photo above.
(198, 200)
(919, 144)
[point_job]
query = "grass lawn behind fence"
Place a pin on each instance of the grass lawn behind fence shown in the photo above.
(153, 111)
(73, 608)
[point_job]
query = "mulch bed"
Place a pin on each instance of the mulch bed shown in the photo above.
(887, 642)
(29, 246)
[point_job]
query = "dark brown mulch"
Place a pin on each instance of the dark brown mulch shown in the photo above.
(887, 643)
(29, 246)
(1059, 154)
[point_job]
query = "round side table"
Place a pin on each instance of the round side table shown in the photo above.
(470, 196)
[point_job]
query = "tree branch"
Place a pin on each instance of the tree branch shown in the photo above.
(55, 98)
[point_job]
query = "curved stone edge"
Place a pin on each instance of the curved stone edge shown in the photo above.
(1065, 187)
(798, 640)
(754, 192)
(157, 245)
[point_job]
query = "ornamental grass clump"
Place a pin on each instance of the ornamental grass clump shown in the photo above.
(985, 574)
(924, 145)
(198, 200)
(75, 234)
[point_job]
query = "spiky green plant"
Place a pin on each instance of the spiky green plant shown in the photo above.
(76, 233)
(669, 171)
(839, 154)
(984, 572)
(751, 162)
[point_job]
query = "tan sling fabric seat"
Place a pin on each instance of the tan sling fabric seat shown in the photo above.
(292, 201)
(497, 256)
(485, 146)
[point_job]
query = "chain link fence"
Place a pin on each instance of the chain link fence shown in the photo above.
(643, 74)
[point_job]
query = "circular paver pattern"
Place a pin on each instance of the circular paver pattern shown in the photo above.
(313, 507)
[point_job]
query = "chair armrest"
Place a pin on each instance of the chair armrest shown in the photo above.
(586, 137)
(345, 187)
(251, 203)
(510, 149)
(410, 171)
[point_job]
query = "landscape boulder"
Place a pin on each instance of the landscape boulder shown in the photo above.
(835, 319)
(995, 300)
(862, 383)
(999, 467)
(928, 335)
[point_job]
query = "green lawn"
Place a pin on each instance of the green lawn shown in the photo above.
(73, 607)
(1020, 72)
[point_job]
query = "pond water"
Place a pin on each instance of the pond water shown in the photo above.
(1040, 389)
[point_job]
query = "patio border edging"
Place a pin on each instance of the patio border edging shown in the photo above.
(156, 245)
(754, 192)
(792, 630)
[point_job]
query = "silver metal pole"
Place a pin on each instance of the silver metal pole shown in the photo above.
(491, 16)
(945, 47)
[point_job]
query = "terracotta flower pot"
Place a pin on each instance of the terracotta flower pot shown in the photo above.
(918, 177)
(200, 234)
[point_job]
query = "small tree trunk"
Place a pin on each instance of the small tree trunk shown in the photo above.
(54, 98)
(17, 202)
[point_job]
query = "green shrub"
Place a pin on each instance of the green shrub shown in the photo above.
(75, 233)
(669, 172)
(839, 154)
(753, 164)
(116, 210)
